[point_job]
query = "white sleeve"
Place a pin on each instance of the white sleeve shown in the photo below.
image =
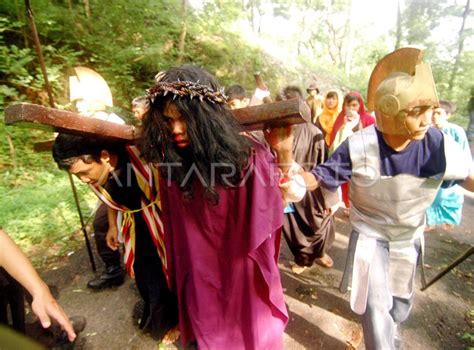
(295, 188)
(458, 161)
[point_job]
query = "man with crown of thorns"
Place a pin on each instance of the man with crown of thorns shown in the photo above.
(222, 213)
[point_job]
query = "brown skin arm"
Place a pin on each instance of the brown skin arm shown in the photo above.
(309, 180)
(281, 141)
(112, 233)
(468, 184)
(44, 305)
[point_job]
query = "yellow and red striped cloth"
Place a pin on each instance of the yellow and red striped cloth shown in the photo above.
(147, 178)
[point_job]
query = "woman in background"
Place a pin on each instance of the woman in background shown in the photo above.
(446, 209)
(352, 118)
(332, 105)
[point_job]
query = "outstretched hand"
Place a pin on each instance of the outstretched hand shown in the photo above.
(45, 307)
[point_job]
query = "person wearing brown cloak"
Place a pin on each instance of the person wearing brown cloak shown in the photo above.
(308, 227)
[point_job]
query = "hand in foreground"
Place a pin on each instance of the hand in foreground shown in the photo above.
(15, 262)
(112, 238)
(45, 307)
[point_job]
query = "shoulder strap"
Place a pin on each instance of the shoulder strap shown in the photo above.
(105, 197)
(143, 172)
(364, 152)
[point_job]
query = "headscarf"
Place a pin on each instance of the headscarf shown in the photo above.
(365, 118)
(328, 115)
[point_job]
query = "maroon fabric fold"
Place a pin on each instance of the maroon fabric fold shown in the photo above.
(223, 260)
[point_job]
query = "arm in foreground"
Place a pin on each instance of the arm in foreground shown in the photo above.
(309, 180)
(15, 262)
(468, 183)
(112, 233)
(281, 141)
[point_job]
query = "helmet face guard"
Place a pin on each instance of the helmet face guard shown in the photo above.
(397, 86)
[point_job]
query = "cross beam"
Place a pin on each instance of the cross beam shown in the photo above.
(51, 119)
(275, 114)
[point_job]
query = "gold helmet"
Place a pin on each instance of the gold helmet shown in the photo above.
(400, 81)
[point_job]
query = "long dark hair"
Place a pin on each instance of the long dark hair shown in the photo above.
(216, 145)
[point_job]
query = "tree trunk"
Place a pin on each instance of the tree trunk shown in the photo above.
(460, 48)
(332, 45)
(12, 151)
(87, 8)
(21, 18)
(184, 29)
(251, 14)
(350, 41)
(254, 15)
(399, 26)
(39, 51)
(303, 31)
(259, 28)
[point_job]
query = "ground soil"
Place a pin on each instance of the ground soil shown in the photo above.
(320, 316)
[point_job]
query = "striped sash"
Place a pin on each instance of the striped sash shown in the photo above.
(147, 179)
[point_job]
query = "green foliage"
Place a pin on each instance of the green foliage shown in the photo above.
(128, 44)
(16, 149)
(130, 41)
(39, 207)
(469, 336)
(419, 19)
(21, 77)
(461, 90)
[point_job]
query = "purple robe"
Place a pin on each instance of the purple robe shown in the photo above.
(223, 260)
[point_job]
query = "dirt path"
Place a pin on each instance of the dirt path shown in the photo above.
(320, 316)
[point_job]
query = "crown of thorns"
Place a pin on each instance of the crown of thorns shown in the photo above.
(187, 88)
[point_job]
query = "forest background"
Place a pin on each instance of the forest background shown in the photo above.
(334, 43)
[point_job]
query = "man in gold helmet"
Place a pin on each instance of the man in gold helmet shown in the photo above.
(394, 170)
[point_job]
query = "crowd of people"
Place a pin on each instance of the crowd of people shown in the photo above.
(200, 207)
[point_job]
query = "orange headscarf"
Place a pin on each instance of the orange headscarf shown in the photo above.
(328, 115)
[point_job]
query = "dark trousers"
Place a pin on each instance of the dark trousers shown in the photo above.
(101, 226)
(308, 243)
(160, 310)
(12, 297)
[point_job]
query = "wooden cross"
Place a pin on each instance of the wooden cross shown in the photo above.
(275, 114)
